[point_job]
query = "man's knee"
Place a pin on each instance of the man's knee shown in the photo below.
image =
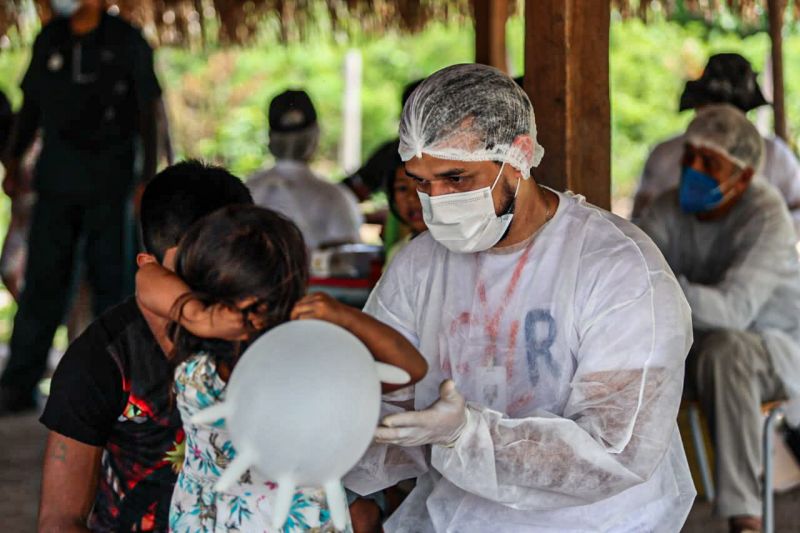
(725, 355)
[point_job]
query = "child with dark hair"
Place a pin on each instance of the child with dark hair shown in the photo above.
(404, 203)
(251, 279)
(114, 432)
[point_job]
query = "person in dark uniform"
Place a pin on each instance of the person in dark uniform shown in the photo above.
(92, 91)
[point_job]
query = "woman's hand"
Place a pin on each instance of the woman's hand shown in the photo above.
(320, 306)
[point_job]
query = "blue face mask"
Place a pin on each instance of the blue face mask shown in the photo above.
(699, 192)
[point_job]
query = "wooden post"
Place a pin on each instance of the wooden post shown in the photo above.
(777, 9)
(490, 32)
(566, 76)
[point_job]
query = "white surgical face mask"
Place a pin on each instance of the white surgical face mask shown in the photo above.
(65, 8)
(465, 222)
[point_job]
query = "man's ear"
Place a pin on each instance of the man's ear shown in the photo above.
(744, 181)
(525, 144)
(144, 259)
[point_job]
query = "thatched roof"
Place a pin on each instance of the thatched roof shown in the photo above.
(187, 22)
(235, 21)
(748, 11)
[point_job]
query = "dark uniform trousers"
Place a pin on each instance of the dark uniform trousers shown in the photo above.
(58, 225)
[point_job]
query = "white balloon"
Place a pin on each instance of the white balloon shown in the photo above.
(301, 407)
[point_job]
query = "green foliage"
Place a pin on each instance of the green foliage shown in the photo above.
(218, 98)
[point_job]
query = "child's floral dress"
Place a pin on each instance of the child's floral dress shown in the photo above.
(246, 506)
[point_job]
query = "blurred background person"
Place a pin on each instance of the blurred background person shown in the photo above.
(370, 177)
(728, 238)
(727, 79)
(92, 90)
(405, 205)
(326, 213)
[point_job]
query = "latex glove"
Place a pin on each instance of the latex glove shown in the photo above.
(441, 423)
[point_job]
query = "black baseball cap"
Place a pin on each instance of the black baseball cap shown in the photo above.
(291, 111)
(727, 79)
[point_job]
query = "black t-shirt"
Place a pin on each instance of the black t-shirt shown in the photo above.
(89, 90)
(112, 390)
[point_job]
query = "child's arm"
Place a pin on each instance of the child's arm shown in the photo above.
(158, 289)
(386, 344)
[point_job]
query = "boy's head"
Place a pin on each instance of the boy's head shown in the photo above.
(179, 196)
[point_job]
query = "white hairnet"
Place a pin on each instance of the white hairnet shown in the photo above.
(297, 145)
(725, 129)
(470, 112)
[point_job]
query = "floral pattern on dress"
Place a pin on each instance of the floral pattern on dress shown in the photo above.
(196, 507)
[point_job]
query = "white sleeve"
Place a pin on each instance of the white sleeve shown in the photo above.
(763, 262)
(384, 465)
(618, 421)
(784, 173)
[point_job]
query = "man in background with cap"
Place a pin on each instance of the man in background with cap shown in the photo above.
(729, 239)
(92, 91)
(727, 79)
(326, 213)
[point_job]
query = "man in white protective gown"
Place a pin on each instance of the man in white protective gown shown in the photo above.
(728, 237)
(555, 334)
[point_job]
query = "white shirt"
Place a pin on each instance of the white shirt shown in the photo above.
(570, 349)
(325, 212)
(739, 271)
(662, 172)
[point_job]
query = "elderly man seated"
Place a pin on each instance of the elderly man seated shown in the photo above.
(728, 237)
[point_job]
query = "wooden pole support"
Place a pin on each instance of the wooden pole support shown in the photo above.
(490, 32)
(566, 76)
(777, 8)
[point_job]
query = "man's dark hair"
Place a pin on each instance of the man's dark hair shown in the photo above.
(182, 194)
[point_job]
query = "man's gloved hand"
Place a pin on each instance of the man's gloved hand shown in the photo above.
(441, 423)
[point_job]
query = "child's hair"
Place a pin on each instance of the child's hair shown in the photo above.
(237, 253)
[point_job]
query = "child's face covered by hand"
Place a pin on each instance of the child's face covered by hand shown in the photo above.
(232, 324)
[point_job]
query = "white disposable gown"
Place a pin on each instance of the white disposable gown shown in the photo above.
(738, 272)
(326, 213)
(570, 350)
(662, 172)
